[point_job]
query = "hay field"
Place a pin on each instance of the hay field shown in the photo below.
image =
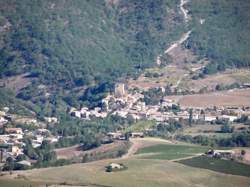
(237, 97)
(140, 173)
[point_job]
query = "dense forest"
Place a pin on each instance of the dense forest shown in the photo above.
(220, 33)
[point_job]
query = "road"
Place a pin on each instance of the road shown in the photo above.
(185, 11)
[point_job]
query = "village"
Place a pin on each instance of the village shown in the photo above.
(12, 138)
(123, 103)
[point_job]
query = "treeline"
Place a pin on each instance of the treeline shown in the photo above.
(237, 140)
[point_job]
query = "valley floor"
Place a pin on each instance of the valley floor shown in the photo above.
(140, 172)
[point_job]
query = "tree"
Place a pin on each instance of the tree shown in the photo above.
(190, 119)
(10, 164)
(85, 158)
(243, 152)
(226, 128)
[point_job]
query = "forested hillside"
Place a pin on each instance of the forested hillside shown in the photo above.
(82, 43)
(62, 53)
(221, 33)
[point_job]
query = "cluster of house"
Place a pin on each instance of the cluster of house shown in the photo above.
(223, 154)
(11, 138)
(131, 105)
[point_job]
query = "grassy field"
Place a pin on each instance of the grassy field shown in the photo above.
(140, 172)
(224, 166)
(140, 126)
(18, 183)
(170, 152)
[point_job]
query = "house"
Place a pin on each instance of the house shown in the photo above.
(14, 131)
(210, 118)
(36, 144)
(116, 166)
(42, 132)
(220, 153)
(16, 136)
(52, 139)
(25, 163)
(15, 150)
(3, 121)
(137, 134)
(2, 113)
(51, 119)
(115, 135)
(246, 85)
(229, 118)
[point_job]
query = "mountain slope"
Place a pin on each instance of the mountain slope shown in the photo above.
(76, 44)
(221, 32)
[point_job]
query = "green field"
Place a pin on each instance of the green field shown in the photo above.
(140, 126)
(224, 166)
(170, 152)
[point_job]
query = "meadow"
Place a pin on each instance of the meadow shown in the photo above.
(140, 172)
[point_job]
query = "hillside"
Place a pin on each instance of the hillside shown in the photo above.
(220, 33)
(77, 44)
(56, 54)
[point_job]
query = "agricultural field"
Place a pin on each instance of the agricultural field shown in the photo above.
(153, 172)
(219, 165)
(140, 172)
(171, 151)
(212, 130)
(237, 97)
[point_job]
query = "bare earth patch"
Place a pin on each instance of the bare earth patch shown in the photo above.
(16, 83)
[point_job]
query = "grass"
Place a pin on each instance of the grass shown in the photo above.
(146, 173)
(140, 126)
(224, 166)
(170, 152)
(17, 183)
